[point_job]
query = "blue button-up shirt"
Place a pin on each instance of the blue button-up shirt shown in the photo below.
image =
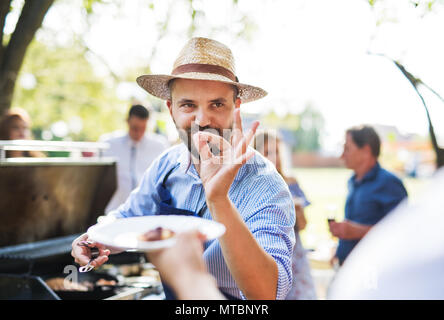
(258, 192)
(369, 200)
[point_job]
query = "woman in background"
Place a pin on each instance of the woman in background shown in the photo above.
(15, 125)
(303, 286)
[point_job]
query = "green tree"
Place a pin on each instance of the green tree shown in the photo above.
(309, 132)
(12, 53)
(422, 7)
(14, 45)
(302, 132)
(67, 90)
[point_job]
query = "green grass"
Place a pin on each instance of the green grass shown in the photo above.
(326, 189)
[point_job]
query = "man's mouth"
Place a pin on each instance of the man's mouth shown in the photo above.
(187, 134)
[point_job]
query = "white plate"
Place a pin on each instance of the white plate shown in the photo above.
(123, 233)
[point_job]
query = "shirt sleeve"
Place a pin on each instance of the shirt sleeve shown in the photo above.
(143, 200)
(391, 195)
(271, 219)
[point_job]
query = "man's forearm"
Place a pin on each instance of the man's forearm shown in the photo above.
(253, 269)
(360, 230)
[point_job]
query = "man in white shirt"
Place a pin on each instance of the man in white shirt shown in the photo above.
(134, 151)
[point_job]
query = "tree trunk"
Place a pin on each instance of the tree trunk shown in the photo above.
(12, 56)
(4, 9)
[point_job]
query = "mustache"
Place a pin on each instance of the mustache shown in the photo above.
(186, 134)
(194, 129)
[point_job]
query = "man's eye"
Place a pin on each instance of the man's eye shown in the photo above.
(187, 105)
(218, 104)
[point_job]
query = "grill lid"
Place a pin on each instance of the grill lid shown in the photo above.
(38, 250)
(45, 201)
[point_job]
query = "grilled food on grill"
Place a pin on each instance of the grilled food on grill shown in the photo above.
(59, 284)
(157, 234)
(104, 282)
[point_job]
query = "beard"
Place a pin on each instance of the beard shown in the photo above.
(186, 134)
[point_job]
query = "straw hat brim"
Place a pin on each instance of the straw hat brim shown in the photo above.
(157, 85)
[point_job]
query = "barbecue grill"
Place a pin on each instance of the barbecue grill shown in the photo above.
(45, 204)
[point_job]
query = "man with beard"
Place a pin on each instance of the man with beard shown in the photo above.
(214, 174)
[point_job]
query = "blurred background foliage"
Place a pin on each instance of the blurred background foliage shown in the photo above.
(67, 95)
(58, 83)
(300, 131)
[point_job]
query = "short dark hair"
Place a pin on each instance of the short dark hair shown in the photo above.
(138, 111)
(366, 135)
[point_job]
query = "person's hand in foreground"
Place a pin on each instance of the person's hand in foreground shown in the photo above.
(182, 267)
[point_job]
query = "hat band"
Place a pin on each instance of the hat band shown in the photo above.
(205, 68)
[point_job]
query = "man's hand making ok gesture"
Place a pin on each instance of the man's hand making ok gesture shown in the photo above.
(218, 169)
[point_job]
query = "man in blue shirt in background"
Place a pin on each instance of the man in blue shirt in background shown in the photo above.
(372, 191)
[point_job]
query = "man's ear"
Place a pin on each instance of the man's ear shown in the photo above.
(368, 150)
(170, 106)
(237, 103)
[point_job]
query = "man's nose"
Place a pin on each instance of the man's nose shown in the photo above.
(202, 119)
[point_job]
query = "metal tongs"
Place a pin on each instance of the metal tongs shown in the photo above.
(94, 255)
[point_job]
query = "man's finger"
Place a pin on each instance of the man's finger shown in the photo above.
(82, 259)
(99, 260)
(237, 120)
(83, 237)
(195, 233)
(98, 245)
(244, 158)
(201, 143)
(242, 147)
(104, 252)
(202, 237)
(251, 133)
(237, 132)
(215, 139)
(333, 227)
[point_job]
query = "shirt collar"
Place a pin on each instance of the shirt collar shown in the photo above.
(185, 164)
(130, 142)
(369, 175)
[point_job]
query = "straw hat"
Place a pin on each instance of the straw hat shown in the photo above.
(201, 59)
